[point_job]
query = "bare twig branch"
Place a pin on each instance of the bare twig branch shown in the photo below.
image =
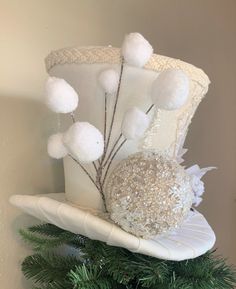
(107, 140)
(84, 169)
(105, 119)
(150, 108)
(115, 106)
(72, 114)
(119, 138)
(114, 146)
(92, 180)
(94, 165)
(112, 158)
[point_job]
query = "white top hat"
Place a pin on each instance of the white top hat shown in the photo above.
(81, 208)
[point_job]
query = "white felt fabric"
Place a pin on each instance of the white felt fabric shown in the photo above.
(192, 239)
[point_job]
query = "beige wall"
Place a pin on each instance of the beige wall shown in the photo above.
(198, 31)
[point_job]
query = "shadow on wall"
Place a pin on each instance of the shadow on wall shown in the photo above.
(25, 126)
(25, 168)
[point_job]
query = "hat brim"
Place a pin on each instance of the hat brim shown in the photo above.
(194, 238)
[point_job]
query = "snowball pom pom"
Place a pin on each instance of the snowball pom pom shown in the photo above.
(170, 90)
(56, 148)
(134, 124)
(84, 142)
(60, 96)
(108, 80)
(136, 50)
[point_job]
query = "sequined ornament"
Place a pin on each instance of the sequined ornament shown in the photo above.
(148, 194)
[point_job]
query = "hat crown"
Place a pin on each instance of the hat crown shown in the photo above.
(80, 67)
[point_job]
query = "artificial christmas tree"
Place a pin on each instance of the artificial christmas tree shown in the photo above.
(96, 265)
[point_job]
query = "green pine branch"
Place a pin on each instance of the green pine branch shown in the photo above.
(48, 230)
(99, 266)
(53, 231)
(89, 277)
(41, 238)
(56, 285)
(48, 268)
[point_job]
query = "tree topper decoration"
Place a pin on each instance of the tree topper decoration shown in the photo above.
(85, 144)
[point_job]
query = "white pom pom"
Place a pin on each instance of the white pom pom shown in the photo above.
(56, 148)
(84, 142)
(134, 124)
(60, 96)
(136, 50)
(108, 80)
(170, 90)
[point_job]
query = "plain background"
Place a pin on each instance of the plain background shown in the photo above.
(201, 32)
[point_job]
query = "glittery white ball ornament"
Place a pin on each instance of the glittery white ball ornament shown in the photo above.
(84, 142)
(170, 90)
(148, 194)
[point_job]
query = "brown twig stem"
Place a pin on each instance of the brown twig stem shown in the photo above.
(115, 107)
(150, 108)
(105, 119)
(84, 169)
(72, 114)
(92, 180)
(95, 167)
(114, 146)
(112, 158)
(119, 138)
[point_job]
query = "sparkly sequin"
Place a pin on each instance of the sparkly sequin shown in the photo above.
(148, 194)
